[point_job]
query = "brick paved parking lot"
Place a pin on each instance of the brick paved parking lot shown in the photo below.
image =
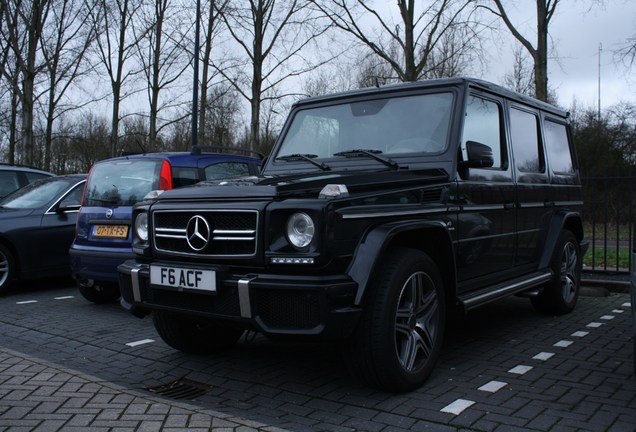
(67, 364)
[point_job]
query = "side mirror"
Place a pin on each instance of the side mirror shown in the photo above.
(68, 205)
(479, 156)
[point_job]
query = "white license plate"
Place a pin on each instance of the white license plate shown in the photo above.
(183, 278)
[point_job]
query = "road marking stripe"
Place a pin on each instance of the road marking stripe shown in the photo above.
(141, 342)
(580, 334)
(493, 386)
(627, 305)
(607, 317)
(563, 343)
(619, 311)
(594, 325)
(543, 356)
(457, 407)
(26, 302)
(520, 370)
(64, 298)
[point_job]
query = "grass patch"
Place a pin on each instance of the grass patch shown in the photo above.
(599, 256)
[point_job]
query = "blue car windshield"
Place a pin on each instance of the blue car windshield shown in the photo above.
(121, 182)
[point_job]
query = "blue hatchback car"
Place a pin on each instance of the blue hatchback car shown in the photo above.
(103, 235)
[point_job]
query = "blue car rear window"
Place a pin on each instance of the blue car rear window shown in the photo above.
(121, 182)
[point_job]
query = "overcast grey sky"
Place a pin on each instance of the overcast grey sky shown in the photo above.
(576, 31)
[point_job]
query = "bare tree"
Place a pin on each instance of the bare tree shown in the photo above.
(63, 50)
(521, 79)
(162, 53)
(115, 46)
(211, 26)
(414, 47)
(273, 36)
(22, 26)
(539, 53)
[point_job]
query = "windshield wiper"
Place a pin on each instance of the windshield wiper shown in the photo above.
(305, 157)
(375, 154)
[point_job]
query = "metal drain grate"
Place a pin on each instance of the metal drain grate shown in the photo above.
(181, 389)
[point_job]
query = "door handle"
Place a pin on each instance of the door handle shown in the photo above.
(509, 205)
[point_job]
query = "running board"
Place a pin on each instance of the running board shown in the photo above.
(496, 292)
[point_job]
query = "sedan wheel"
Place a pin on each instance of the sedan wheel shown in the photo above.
(7, 268)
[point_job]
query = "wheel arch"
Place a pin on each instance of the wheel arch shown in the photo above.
(565, 220)
(430, 237)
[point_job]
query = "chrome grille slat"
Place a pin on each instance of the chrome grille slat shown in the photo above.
(233, 233)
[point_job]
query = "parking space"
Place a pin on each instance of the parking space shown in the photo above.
(67, 364)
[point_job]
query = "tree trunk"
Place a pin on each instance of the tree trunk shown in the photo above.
(541, 53)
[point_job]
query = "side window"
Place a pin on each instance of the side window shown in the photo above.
(483, 124)
(34, 176)
(8, 182)
(226, 170)
(524, 132)
(184, 177)
(558, 147)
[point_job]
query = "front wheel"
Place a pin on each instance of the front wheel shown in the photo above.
(561, 294)
(194, 336)
(400, 336)
(7, 269)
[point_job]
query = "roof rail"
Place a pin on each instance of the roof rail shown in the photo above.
(197, 150)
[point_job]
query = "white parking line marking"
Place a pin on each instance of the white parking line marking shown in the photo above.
(457, 407)
(141, 342)
(543, 356)
(618, 311)
(63, 298)
(594, 325)
(26, 302)
(493, 386)
(627, 305)
(580, 334)
(520, 370)
(563, 343)
(607, 317)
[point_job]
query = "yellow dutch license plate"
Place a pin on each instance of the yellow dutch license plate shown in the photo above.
(111, 231)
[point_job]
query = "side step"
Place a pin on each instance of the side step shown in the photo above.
(472, 300)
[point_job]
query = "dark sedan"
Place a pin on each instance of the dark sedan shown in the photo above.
(37, 226)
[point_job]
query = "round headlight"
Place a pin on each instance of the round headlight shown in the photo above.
(141, 226)
(300, 230)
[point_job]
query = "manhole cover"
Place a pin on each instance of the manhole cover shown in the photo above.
(181, 389)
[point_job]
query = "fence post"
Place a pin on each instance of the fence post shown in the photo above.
(632, 291)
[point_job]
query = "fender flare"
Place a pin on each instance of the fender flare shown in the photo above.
(375, 243)
(557, 223)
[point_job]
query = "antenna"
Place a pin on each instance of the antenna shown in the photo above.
(600, 48)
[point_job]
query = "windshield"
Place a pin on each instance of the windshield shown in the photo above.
(121, 182)
(35, 195)
(398, 125)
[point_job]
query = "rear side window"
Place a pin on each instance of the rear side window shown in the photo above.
(8, 182)
(184, 176)
(31, 177)
(227, 170)
(121, 182)
(524, 131)
(558, 147)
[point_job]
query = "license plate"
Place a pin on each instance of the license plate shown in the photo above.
(112, 231)
(179, 277)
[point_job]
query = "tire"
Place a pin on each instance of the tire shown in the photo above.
(397, 343)
(7, 269)
(99, 293)
(561, 294)
(194, 336)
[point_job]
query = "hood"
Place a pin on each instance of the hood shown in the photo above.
(306, 185)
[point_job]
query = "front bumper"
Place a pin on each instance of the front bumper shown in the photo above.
(283, 305)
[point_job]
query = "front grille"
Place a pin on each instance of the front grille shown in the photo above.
(209, 233)
(284, 309)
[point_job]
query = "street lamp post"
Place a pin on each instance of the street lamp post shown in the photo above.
(195, 83)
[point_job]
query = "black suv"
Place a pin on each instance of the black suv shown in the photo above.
(377, 212)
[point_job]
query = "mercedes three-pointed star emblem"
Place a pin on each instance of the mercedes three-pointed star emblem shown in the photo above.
(197, 233)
